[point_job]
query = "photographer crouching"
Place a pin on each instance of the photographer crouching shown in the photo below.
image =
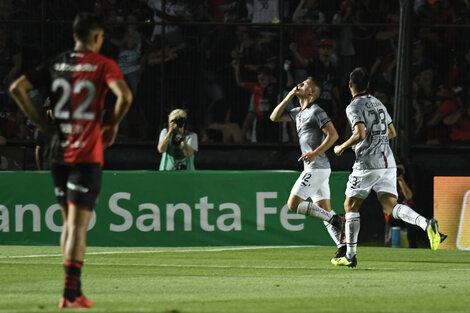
(177, 144)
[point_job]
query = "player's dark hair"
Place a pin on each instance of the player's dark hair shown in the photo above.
(359, 79)
(85, 23)
(317, 82)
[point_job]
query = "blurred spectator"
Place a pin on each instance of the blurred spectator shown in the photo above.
(345, 44)
(177, 144)
(405, 196)
(223, 10)
(10, 62)
(128, 42)
(250, 51)
(222, 129)
(307, 12)
(455, 115)
(174, 10)
(43, 140)
(423, 102)
(418, 59)
(263, 11)
(257, 126)
(324, 69)
(437, 132)
(385, 96)
(384, 67)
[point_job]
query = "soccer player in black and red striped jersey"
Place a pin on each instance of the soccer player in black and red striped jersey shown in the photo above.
(78, 80)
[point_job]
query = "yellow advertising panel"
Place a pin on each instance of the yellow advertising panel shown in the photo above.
(452, 210)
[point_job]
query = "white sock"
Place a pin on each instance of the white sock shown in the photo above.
(311, 209)
(353, 225)
(334, 234)
(406, 214)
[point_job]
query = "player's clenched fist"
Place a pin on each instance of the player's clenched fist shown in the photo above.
(338, 150)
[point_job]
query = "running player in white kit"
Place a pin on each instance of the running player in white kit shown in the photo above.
(316, 135)
(374, 168)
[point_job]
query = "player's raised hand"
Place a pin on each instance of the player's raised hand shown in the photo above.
(108, 134)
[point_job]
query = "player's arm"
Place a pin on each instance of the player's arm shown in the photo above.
(331, 135)
(123, 102)
(279, 114)
(358, 135)
(392, 133)
(19, 92)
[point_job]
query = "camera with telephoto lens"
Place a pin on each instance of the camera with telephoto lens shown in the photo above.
(180, 122)
(177, 139)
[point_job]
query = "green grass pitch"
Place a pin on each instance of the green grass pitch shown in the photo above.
(240, 279)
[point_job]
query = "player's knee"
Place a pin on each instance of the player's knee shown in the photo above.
(292, 205)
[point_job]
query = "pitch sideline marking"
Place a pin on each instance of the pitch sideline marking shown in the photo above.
(158, 251)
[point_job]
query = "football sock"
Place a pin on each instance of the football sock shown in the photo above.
(406, 214)
(72, 286)
(311, 209)
(353, 224)
(334, 234)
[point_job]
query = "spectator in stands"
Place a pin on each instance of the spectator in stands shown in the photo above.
(307, 12)
(385, 96)
(418, 59)
(10, 63)
(345, 44)
(405, 196)
(176, 144)
(250, 51)
(383, 70)
(43, 140)
(257, 126)
(437, 131)
(128, 42)
(423, 101)
(455, 114)
(174, 10)
(264, 11)
(324, 68)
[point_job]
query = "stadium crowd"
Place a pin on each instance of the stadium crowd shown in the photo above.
(228, 64)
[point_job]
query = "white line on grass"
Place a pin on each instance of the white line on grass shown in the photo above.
(157, 251)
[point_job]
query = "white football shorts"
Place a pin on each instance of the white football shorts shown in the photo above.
(314, 184)
(361, 182)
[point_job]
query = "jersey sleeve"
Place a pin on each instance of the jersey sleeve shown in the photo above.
(112, 72)
(192, 141)
(293, 113)
(355, 115)
(320, 117)
(39, 76)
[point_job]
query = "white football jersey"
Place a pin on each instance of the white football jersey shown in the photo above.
(309, 123)
(374, 151)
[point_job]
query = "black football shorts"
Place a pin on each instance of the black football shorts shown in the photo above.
(78, 183)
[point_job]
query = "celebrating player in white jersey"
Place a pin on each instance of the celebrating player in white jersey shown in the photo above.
(316, 135)
(374, 168)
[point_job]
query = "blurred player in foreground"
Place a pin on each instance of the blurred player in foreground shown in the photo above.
(78, 80)
(316, 135)
(374, 168)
